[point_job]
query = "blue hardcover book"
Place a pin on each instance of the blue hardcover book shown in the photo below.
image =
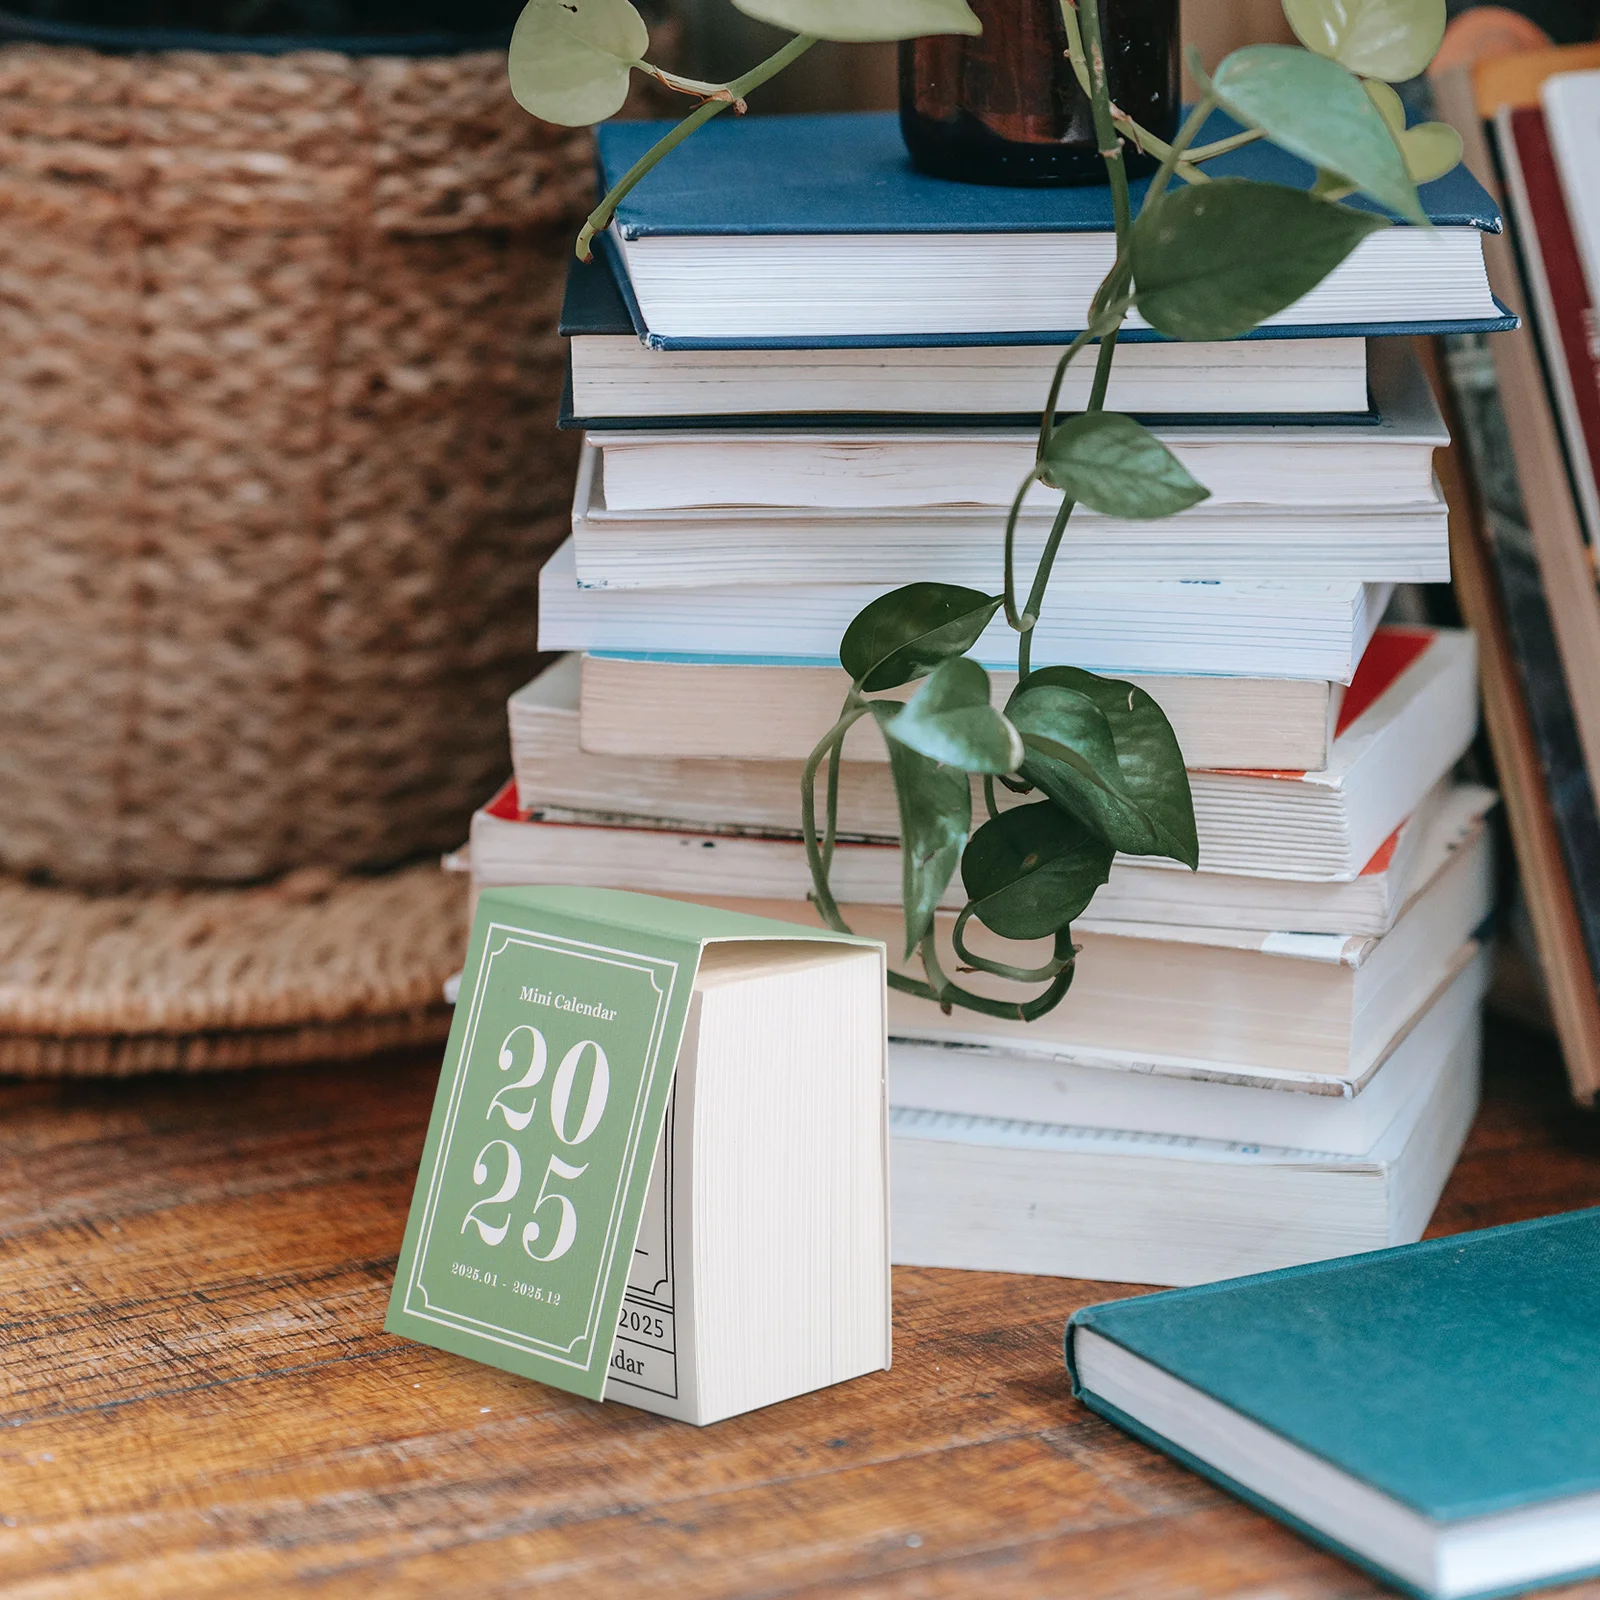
(784, 231)
(624, 385)
(1431, 1412)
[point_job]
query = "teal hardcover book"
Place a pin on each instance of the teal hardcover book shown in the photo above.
(799, 231)
(1430, 1412)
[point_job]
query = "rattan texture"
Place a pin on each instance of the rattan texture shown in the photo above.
(314, 967)
(278, 465)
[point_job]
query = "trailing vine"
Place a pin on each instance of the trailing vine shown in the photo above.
(1090, 765)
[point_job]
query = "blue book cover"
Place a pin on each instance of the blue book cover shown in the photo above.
(848, 173)
(1456, 1377)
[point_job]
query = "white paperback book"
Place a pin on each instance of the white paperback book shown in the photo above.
(1242, 1006)
(1278, 630)
(1382, 459)
(619, 375)
(692, 707)
(511, 846)
(1316, 540)
(1327, 825)
(537, 830)
(999, 1195)
(1343, 1117)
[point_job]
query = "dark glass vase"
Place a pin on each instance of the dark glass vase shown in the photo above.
(1006, 108)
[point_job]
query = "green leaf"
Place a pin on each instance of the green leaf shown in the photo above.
(1148, 755)
(1110, 463)
(906, 633)
(865, 21)
(1313, 107)
(1215, 261)
(1032, 870)
(569, 59)
(949, 719)
(935, 819)
(1393, 39)
(1430, 149)
(1105, 750)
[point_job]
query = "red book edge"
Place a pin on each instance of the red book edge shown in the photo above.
(1394, 649)
(1560, 262)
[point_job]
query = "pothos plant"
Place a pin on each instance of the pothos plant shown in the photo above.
(1088, 766)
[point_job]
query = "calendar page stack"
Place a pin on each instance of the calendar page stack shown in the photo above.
(656, 1167)
(799, 396)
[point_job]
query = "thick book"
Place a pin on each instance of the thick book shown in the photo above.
(691, 707)
(995, 1194)
(1564, 317)
(1233, 1004)
(1262, 630)
(800, 228)
(1148, 1097)
(512, 844)
(1550, 510)
(641, 1103)
(1431, 1413)
(1402, 725)
(1528, 704)
(616, 379)
(1381, 459)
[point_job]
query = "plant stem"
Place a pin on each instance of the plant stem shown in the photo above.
(1104, 130)
(704, 91)
(1001, 969)
(1115, 284)
(829, 743)
(736, 91)
(1013, 616)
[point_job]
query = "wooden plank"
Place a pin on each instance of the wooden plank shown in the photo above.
(198, 1399)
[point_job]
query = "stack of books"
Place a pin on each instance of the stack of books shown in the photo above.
(808, 376)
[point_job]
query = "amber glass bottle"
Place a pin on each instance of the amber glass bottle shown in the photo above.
(1005, 107)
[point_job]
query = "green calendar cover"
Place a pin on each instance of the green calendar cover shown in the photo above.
(549, 1113)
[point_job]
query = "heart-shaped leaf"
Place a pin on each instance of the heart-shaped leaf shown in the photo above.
(1148, 756)
(906, 633)
(1110, 463)
(569, 59)
(1032, 870)
(865, 21)
(935, 819)
(949, 719)
(1430, 149)
(1313, 107)
(1216, 260)
(1393, 39)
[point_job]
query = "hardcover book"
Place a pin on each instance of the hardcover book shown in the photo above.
(657, 1126)
(1431, 1412)
(854, 245)
(617, 380)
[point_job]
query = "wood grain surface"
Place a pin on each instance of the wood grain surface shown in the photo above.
(199, 1399)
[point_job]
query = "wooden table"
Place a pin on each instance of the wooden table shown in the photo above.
(199, 1399)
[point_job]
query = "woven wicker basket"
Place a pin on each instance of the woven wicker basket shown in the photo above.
(278, 373)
